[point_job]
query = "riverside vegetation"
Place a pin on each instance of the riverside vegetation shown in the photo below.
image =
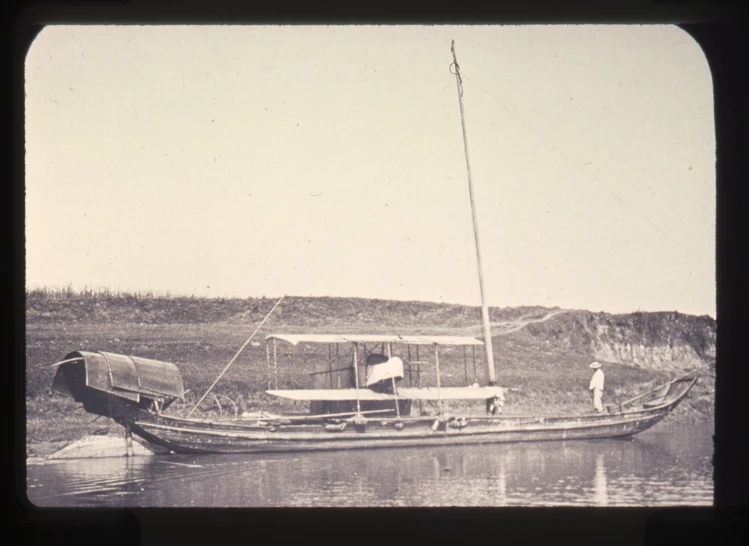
(541, 354)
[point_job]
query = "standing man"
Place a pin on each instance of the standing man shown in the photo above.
(596, 385)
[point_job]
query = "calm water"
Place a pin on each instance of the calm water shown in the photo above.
(667, 466)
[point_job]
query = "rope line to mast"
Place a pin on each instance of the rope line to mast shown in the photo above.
(588, 174)
(398, 148)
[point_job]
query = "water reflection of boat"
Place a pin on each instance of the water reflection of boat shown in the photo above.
(600, 494)
(351, 409)
(570, 473)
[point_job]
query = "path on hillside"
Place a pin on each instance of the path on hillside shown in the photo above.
(507, 327)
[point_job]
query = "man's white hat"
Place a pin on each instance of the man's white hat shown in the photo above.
(595, 365)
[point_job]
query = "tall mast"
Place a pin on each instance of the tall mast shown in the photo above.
(484, 306)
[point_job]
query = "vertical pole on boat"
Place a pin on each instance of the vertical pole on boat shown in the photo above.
(473, 359)
(484, 306)
(410, 375)
(395, 390)
(465, 364)
(437, 362)
(275, 364)
(418, 378)
(128, 441)
(267, 363)
(329, 383)
(418, 367)
(337, 372)
(356, 379)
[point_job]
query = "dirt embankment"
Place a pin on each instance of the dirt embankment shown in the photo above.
(666, 343)
(670, 342)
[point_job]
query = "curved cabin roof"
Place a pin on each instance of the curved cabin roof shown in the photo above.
(378, 338)
(124, 376)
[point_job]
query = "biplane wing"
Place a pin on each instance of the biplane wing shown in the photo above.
(361, 338)
(330, 394)
(450, 393)
(425, 393)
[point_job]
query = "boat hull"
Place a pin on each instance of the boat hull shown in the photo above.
(214, 437)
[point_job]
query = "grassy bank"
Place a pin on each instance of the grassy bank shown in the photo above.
(202, 335)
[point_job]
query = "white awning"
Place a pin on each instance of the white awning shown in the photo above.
(428, 393)
(451, 393)
(378, 338)
(330, 394)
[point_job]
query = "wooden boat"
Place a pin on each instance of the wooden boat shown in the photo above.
(350, 407)
(136, 392)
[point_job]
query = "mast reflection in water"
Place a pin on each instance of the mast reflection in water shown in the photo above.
(664, 467)
(599, 486)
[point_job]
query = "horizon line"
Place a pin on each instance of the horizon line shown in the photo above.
(70, 291)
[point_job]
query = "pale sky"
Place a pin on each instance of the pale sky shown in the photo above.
(328, 161)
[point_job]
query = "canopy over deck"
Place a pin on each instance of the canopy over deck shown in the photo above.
(377, 338)
(428, 393)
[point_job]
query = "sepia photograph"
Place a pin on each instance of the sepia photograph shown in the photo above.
(369, 266)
